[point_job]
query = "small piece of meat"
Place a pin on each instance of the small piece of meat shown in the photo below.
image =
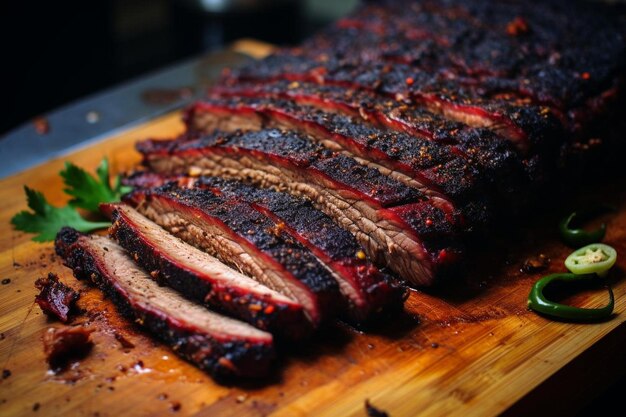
(62, 345)
(217, 344)
(535, 264)
(55, 298)
(203, 278)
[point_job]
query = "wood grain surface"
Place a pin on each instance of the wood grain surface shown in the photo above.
(469, 349)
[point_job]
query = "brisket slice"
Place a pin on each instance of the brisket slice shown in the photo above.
(201, 277)
(399, 154)
(367, 290)
(220, 345)
(244, 239)
(377, 110)
(396, 225)
(444, 159)
(490, 153)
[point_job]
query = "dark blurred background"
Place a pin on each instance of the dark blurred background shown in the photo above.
(58, 51)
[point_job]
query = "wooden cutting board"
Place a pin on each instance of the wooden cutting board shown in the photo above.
(471, 349)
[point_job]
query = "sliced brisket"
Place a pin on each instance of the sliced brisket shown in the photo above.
(203, 278)
(450, 161)
(367, 290)
(246, 240)
(395, 224)
(391, 113)
(513, 118)
(217, 344)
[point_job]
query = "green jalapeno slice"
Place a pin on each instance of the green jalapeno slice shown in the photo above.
(538, 302)
(576, 237)
(596, 258)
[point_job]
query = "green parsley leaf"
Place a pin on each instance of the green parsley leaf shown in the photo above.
(89, 191)
(47, 220)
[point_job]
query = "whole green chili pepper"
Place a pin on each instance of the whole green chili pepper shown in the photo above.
(537, 300)
(580, 237)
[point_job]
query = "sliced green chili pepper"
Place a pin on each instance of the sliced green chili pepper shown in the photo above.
(580, 237)
(538, 301)
(596, 258)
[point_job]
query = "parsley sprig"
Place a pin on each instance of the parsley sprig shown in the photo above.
(87, 191)
(47, 220)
